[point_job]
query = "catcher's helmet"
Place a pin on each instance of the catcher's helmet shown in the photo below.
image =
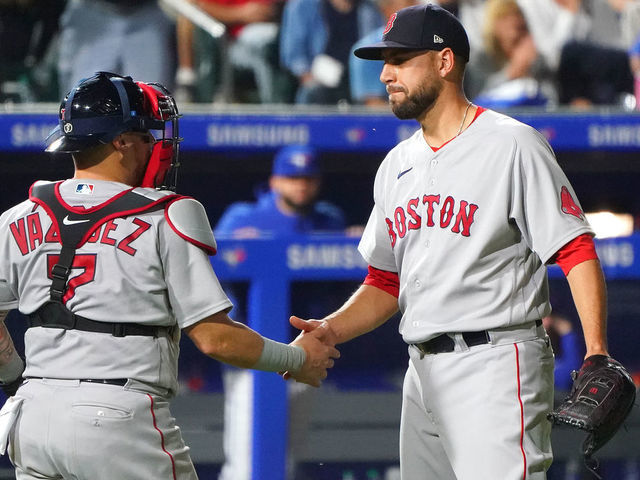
(101, 107)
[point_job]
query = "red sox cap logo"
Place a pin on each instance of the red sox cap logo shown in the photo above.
(392, 19)
(569, 206)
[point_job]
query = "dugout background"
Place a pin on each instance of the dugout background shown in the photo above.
(344, 436)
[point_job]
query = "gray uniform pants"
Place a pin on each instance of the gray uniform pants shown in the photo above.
(68, 429)
(479, 413)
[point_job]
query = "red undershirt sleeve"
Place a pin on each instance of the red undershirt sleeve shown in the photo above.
(578, 250)
(384, 280)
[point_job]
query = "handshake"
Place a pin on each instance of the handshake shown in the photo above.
(318, 341)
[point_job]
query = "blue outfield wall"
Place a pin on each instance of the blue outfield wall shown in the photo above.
(615, 131)
(271, 265)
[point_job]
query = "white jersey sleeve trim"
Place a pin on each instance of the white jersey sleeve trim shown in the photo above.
(376, 264)
(222, 306)
(187, 217)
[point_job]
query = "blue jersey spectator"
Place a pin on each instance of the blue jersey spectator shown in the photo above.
(289, 207)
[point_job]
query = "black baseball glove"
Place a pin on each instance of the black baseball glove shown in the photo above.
(600, 400)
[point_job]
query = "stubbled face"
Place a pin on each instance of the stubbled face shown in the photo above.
(412, 81)
(297, 193)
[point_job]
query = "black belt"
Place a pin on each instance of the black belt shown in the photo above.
(121, 382)
(107, 381)
(56, 315)
(444, 343)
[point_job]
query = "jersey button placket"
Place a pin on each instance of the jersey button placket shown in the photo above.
(432, 180)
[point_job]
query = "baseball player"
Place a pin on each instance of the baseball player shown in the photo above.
(289, 207)
(109, 269)
(467, 213)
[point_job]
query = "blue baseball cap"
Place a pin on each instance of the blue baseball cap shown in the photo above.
(420, 27)
(296, 161)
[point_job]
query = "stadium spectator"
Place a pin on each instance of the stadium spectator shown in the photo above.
(250, 44)
(116, 36)
(27, 39)
(315, 43)
(509, 71)
(554, 23)
(364, 76)
(582, 41)
(630, 27)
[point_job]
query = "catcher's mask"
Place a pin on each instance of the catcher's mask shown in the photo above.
(101, 107)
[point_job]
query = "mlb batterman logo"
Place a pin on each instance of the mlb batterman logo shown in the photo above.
(84, 189)
(389, 26)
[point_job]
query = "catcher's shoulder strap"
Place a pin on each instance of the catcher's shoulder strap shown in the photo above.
(75, 226)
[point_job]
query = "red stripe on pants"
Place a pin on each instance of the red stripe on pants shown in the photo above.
(153, 415)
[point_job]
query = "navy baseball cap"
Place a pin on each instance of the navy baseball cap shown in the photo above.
(296, 161)
(420, 27)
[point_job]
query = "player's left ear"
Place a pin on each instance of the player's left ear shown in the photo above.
(119, 143)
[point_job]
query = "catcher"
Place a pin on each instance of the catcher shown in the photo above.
(110, 269)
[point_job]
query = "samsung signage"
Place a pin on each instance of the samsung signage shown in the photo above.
(607, 135)
(30, 134)
(257, 134)
(323, 256)
(616, 254)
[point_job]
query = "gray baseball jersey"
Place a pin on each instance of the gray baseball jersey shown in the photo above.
(137, 269)
(470, 226)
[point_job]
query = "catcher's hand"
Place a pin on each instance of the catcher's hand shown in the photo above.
(600, 400)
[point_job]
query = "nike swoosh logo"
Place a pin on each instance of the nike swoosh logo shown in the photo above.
(404, 171)
(67, 221)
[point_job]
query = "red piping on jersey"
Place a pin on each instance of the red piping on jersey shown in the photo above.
(46, 208)
(207, 248)
(578, 250)
(479, 110)
(81, 210)
(524, 455)
(155, 425)
(384, 280)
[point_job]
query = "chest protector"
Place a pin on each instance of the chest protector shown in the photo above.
(75, 228)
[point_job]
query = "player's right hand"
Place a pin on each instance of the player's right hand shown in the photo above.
(321, 328)
(320, 354)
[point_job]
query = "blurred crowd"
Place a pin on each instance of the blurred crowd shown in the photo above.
(575, 53)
